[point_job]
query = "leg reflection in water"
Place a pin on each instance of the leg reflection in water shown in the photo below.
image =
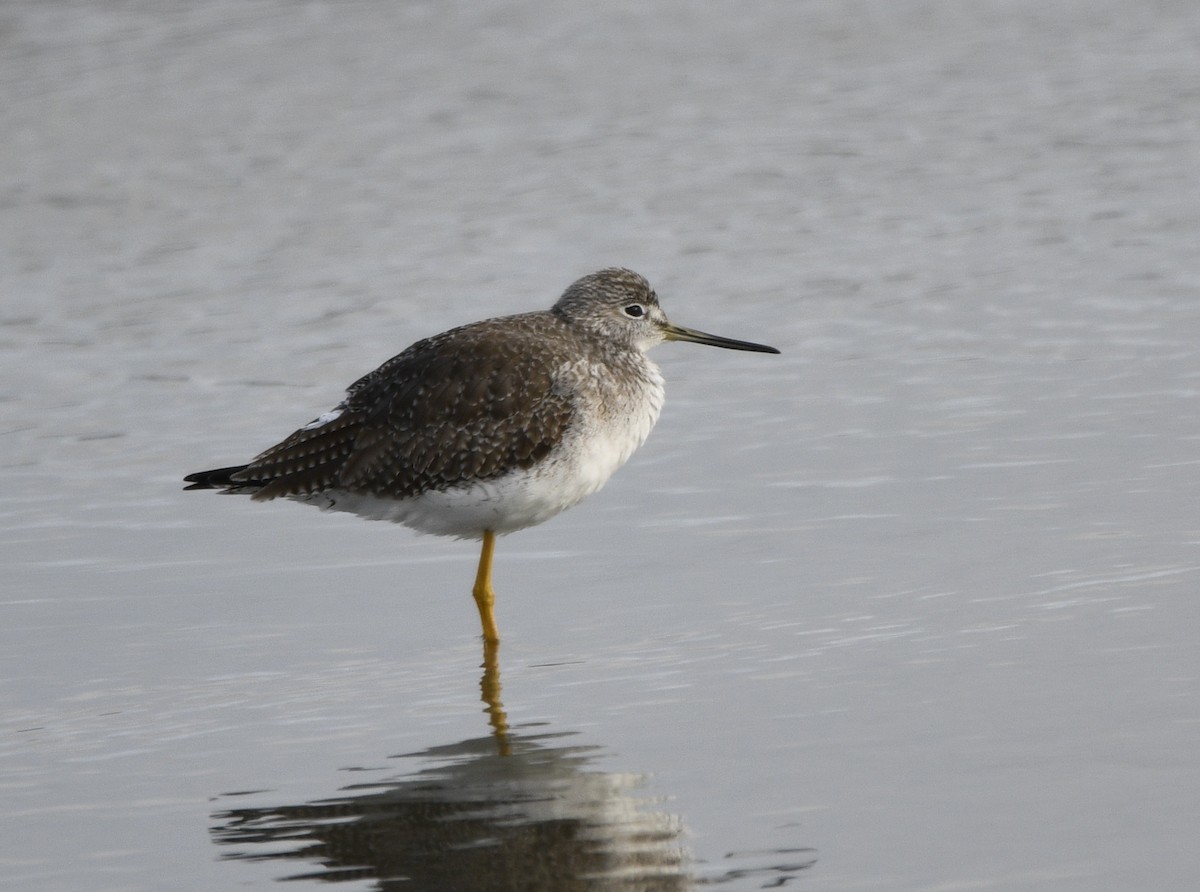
(489, 687)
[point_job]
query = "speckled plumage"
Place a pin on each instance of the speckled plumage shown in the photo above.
(464, 405)
(468, 408)
(487, 428)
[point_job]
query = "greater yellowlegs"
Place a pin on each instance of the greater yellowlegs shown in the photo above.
(488, 428)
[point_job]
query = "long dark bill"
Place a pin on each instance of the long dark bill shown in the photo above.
(679, 333)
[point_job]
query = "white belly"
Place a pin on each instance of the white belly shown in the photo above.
(503, 505)
(588, 456)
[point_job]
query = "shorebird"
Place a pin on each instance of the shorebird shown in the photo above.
(488, 428)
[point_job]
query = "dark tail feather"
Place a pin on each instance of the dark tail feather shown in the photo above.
(218, 478)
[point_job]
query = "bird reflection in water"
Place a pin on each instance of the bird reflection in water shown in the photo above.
(511, 811)
(539, 818)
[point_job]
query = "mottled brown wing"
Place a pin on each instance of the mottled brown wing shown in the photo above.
(469, 404)
(306, 462)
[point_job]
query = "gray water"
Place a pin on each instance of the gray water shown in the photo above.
(911, 606)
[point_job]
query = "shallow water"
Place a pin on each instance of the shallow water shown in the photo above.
(910, 606)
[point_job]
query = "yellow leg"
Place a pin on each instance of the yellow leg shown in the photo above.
(485, 597)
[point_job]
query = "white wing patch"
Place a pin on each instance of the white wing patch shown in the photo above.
(331, 415)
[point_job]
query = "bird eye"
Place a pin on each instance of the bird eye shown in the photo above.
(637, 311)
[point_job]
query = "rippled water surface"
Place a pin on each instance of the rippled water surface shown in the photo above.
(911, 606)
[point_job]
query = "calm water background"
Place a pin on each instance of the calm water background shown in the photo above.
(911, 606)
